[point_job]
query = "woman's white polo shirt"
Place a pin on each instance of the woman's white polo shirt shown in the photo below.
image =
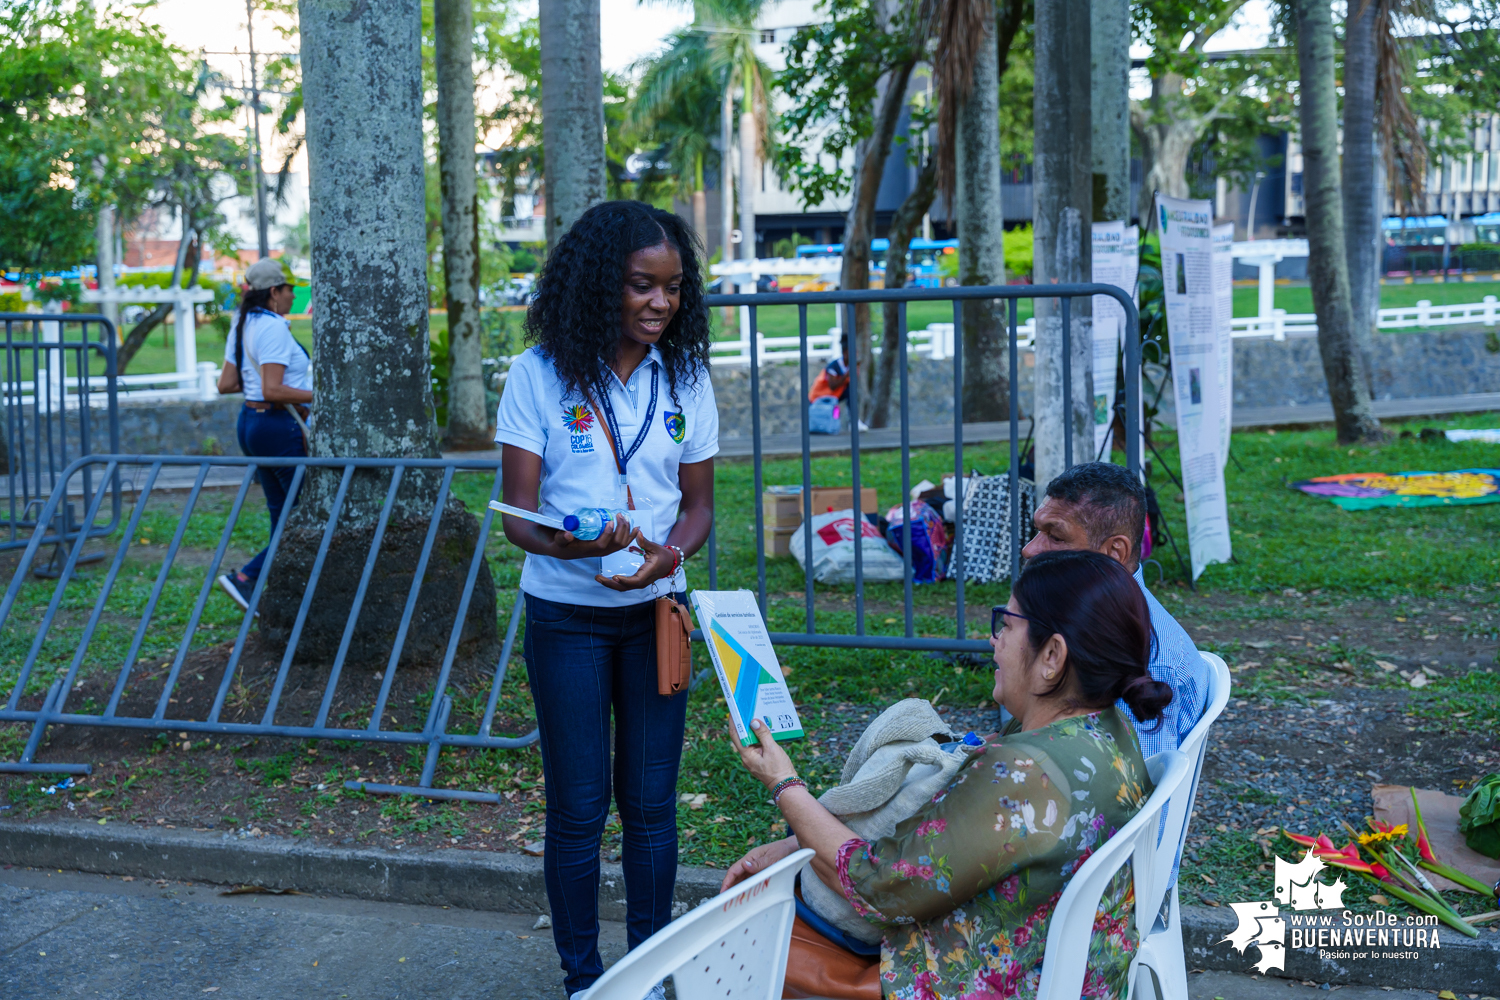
(578, 468)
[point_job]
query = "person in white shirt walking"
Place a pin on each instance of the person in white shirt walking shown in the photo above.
(262, 359)
(610, 408)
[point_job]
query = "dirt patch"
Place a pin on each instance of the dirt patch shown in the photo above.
(164, 775)
(1315, 721)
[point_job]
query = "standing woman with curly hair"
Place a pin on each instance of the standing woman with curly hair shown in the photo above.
(611, 406)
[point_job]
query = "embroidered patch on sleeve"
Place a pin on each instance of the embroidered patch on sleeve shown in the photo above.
(676, 425)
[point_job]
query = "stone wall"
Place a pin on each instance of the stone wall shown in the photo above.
(929, 394)
(1266, 373)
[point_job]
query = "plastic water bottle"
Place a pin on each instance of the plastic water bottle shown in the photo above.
(588, 523)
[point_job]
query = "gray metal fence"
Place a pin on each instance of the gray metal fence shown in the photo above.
(60, 400)
(55, 710)
(96, 479)
(847, 300)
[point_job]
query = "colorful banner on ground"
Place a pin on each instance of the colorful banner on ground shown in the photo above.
(1363, 490)
(1187, 264)
(1224, 328)
(1116, 259)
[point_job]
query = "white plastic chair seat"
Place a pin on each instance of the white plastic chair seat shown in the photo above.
(1161, 949)
(731, 947)
(1072, 925)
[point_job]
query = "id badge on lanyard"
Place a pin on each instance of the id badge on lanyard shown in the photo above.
(639, 512)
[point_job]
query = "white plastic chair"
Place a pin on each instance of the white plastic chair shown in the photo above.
(1161, 948)
(1072, 925)
(731, 947)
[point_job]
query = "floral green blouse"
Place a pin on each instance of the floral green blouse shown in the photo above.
(964, 890)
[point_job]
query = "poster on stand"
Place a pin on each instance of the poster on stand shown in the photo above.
(1116, 259)
(1187, 264)
(1223, 317)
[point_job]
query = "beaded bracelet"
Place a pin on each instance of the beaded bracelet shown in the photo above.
(783, 785)
(681, 557)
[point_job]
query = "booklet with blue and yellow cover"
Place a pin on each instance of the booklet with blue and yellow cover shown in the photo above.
(745, 662)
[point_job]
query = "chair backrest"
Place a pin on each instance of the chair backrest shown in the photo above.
(1180, 810)
(731, 947)
(1072, 925)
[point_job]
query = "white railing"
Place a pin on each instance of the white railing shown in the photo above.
(62, 393)
(935, 342)
(1423, 314)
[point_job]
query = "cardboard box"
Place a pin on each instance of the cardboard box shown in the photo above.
(778, 541)
(782, 505)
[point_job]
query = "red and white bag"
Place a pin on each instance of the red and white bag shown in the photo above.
(833, 549)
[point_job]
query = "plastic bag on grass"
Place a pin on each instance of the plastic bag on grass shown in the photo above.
(833, 549)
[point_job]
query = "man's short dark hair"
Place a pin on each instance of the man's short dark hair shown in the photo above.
(1109, 500)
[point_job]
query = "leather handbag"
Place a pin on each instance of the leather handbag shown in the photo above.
(674, 655)
(817, 967)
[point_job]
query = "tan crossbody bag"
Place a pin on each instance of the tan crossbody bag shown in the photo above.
(674, 623)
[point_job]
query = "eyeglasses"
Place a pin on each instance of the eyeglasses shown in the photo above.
(997, 619)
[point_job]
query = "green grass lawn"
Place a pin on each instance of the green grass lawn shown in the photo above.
(1298, 298)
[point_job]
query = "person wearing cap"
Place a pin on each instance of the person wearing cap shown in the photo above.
(262, 359)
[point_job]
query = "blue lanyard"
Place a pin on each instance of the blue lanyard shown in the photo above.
(622, 459)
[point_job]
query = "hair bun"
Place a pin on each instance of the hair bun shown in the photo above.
(1146, 697)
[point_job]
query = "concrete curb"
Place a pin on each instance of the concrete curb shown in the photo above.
(512, 883)
(1459, 963)
(476, 880)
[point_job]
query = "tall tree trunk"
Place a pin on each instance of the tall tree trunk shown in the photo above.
(749, 179)
(859, 226)
(1168, 130)
(905, 225)
(726, 181)
(372, 394)
(1110, 108)
(1063, 187)
(453, 55)
(981, 226)
(572, 112)
(1327, 265)
(700, 200)
(104, 257)
(1362, 196)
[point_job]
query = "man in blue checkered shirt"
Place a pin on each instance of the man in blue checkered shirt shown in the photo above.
(1102, 507)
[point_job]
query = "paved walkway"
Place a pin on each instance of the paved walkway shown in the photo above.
(66, 934)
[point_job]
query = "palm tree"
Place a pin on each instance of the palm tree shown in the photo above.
(676, 107)
(1375, 106)
(1327, 265)
(717, 53)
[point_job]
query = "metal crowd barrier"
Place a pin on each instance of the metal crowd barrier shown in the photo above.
(909, 640)
(52, 415)
(434, 734)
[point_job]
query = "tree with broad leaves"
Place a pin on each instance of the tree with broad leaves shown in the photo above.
(1225, 99)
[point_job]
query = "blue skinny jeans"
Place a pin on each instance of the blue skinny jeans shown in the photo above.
(584, 663)
(269, 434)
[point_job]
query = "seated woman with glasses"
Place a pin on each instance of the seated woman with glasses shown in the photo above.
(965, 888)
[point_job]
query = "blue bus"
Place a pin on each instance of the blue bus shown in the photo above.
(921, 258)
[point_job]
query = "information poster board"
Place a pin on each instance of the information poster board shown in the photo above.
(1187, 258)
(1116, 260)
(1223, 324)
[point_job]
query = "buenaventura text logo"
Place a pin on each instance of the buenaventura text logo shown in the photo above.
(1342, 936)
